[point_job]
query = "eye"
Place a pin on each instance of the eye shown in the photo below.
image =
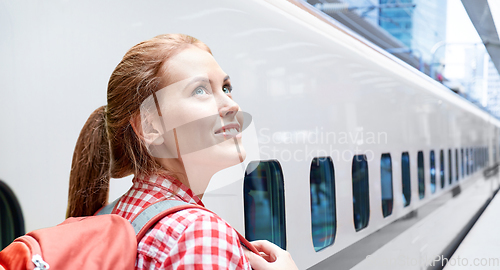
(227, 89)
(199, 91)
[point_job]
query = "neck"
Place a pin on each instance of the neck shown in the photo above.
(193, 175)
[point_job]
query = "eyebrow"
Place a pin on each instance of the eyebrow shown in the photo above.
(204, 79)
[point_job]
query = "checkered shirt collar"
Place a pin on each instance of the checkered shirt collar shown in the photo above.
(168, 185)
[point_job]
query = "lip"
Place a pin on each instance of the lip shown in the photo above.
(222, 131)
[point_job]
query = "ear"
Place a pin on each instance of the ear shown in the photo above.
(147, 129)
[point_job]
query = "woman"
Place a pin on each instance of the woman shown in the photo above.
(170, 120)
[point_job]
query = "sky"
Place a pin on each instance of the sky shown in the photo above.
(460, 37)
(463, 41)
(495, 11)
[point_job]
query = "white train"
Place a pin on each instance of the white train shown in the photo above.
(365, 163)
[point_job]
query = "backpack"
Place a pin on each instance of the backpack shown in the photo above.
(104, 241)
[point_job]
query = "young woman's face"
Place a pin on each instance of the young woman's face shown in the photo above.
(201, 121)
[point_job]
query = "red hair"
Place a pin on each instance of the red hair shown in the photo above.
(108, 146)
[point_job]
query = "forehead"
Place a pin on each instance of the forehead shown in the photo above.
(191, 62)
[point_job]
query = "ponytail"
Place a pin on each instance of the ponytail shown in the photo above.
(89, 177)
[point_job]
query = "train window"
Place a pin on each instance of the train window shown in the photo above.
(473, 159)
(467, 167)
(487, 155)
(456, 165)
(494, 155)
(360, 192)
(481, 155)
(477, 164)
(264, 202)
(11, 217)
(386, 184)
(478, 156)
(421, 175)
(463, 166)
(450, 167)
(322, 189)
(405, 177)
(477, 161)
(433, 171)
(483, 151)
(441, 167)
(484, 156)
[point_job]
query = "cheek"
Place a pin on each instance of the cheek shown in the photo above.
(189, 114)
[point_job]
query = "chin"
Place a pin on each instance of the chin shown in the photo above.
(220, 156)
(228, 154)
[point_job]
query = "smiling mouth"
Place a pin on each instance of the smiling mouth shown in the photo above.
(229, 131)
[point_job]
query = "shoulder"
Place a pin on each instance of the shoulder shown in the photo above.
(192, 225)
(193, 233)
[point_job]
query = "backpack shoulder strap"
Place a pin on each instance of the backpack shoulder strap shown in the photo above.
(107, 209)
(155, 212)
(150, 215)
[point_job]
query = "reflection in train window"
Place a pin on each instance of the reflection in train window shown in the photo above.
(360, 192)
(441, 167)
(433, 172)
(386, 184)
(264, 202)
(456, 165)
(421, 175)
(11, 217)
(405, 177)
(450, 167)
(322, 189)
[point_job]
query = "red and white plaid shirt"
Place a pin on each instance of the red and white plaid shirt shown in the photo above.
(188, 239)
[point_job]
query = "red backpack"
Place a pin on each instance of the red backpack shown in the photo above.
(105, 241)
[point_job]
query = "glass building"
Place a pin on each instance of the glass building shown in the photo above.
(398, 21)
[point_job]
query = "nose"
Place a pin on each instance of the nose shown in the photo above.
(227, 106)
